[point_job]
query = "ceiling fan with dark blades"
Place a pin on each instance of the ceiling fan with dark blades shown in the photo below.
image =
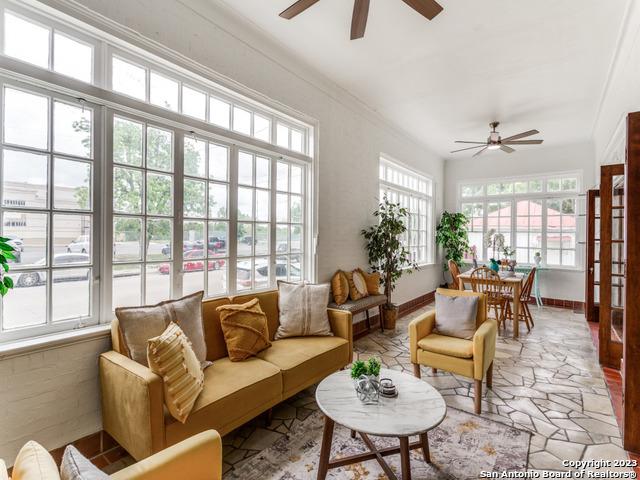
(496, 142)
(427, 8)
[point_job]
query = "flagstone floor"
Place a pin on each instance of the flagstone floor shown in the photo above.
(548, 382)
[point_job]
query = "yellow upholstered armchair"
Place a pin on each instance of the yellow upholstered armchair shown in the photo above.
(469, 358)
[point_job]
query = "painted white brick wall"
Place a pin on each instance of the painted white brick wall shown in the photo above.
(52, 397)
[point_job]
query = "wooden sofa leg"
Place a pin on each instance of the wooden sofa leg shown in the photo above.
(434, 370)
(490, 376)
(478, 396)
(268, 417)
(416, 370)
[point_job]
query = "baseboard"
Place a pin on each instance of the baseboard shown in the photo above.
(576, 306)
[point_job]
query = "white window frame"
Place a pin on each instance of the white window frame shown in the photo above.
(386, 161)
(104, 100)
(544, 195)
(50, 327)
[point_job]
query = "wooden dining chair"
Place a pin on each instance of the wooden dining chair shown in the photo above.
(525, 295)
(487, 281)
(455, 271)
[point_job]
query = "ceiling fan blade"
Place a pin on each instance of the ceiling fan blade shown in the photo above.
(523, 142)
(469, 148)
(297, 8)
(504, 148)
(463, 141)
(427, 8)
(359, 19)
(520, 135)
(479, 152)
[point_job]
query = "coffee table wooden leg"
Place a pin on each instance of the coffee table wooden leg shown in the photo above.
(424, 440)
(404, 458)
(353, 434)
(325, 449)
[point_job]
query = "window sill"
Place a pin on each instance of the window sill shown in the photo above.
(56, 340)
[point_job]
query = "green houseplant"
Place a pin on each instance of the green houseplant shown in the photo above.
(451, 234)
(6, 254)
(386, 252)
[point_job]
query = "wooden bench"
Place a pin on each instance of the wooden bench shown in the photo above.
(364, 305)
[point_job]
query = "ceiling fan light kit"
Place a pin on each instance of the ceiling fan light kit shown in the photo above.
(496, 142)
(427, 8)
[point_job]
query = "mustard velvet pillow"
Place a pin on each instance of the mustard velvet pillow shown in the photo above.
(245, 329)
(340, 287)
(171, 356)
(34, 463)
(357, 285)
(372, 280)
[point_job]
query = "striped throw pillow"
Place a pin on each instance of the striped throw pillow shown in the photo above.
(171, 356)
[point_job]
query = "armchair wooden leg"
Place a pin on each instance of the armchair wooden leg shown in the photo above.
(478, 396)
(434, 370)
(416, 370)
(490, 376)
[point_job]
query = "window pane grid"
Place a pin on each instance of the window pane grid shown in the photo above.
(544, 221)
(143, 199)
(47, 210)
(413, 192)
(206, 226)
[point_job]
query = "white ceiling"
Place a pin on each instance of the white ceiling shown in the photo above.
(529, 64)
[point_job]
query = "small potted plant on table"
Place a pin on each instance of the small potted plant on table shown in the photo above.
(387, 254)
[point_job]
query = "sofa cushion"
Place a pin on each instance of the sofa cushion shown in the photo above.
(303, 310)
(34, 463)
(306, 360)
(171, 356)
(245, 329)
(139, 324)
(268, 303)
(452, 346)
(456, 316)
(340, 287)
(216, 346)
(372, 280)
(76, 466)
(232, 391)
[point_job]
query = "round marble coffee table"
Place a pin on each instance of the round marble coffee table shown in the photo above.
(417, 409)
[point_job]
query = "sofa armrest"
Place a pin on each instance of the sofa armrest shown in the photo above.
(196, 458)
(418, 329)
(132, 404)
(484, 347)
(342, 326)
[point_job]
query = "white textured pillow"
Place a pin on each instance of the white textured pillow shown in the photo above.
(456, 316)
(303, 310)
(171, 356)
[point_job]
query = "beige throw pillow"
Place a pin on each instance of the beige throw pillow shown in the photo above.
(139, 324)
(303, 310)
(34, 463)
(456, 316)
(170, 355)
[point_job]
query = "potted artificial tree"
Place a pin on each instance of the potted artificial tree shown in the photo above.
(387, 254)
(451, 234)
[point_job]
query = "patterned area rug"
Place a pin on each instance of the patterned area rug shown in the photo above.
(461, 447)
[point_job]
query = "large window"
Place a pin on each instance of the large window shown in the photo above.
(176, 186)
(415, 193)
(536, 214)
(47, 210)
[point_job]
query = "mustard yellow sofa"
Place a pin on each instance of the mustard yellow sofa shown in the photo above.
(133, 410)
(196, 458)
(469, 358)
